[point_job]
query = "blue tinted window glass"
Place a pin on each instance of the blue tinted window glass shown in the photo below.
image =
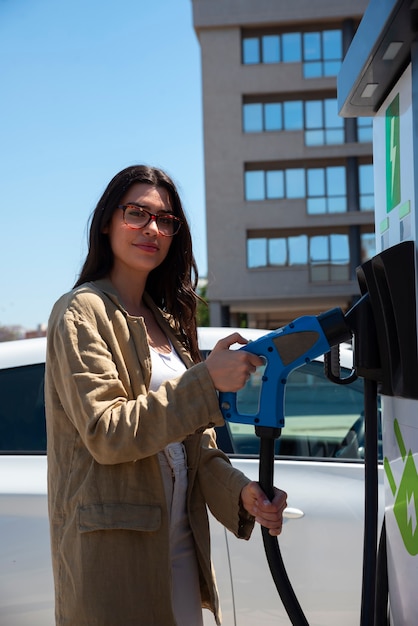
(332, 44)
(336, 181)
(251, 50)
(273, 116)
(318, 248)
(366, 187)
(271, 48)
(333, 137)
(298, 250)
(339, 248)
(275, 184)
(364, 121)
(311, 46)
(292, 44)
(337, 204)
(277, 251)
(295, 183)
(366, 179)
(314, 137)
(364, 129)
(293, 115)
(252, 118)
(331, 68)
(365, 134)
(316, 206)
(314, 117)
(332, 119)
(367, 202)
(254, 185)
(316, 181)
(256, 252)
(312, 69)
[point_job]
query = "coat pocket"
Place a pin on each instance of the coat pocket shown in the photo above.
(118, 516)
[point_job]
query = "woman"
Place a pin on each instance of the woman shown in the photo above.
(132, 459)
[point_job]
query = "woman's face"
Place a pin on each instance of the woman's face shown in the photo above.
(140, 250)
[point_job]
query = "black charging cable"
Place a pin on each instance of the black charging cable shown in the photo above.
(373, 605)
(371, 494)
(268, 437)
(382, 617)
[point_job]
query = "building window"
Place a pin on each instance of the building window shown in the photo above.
(255, 185)
(318, 118)
(323, 125)
(271, 52)
(252, 118)
(291, 47)
(274, 184)
(257, 253)
(320, 52)
(277, 251)
(251, 50)
(324, 188)
(364, 129)
(366, 187)
(326, 255)
(329, 257)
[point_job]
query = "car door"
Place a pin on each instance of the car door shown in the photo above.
(26, 584)
(319, 463)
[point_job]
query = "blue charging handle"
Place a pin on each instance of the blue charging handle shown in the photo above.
(283, 350)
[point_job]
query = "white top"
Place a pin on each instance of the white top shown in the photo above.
(184, 570)
(164, 367)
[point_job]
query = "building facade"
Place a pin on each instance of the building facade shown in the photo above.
(289, 183)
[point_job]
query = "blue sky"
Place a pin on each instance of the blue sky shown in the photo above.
(88, 87)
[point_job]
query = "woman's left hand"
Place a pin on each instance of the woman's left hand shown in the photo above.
(268, 514)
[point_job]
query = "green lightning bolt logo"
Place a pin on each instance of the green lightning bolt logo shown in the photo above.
(406, 495)
(393, 156)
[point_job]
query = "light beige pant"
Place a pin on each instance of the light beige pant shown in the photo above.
(185, 576)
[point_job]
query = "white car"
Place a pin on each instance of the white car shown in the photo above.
(319, 463)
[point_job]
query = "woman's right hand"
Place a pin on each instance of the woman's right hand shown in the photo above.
(231, 369)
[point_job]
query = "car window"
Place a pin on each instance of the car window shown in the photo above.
(322, 419)
(22, 410)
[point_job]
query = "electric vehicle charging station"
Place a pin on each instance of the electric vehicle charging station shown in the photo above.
(379, 79)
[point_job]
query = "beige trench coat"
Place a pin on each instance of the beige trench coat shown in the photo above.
(107, 507)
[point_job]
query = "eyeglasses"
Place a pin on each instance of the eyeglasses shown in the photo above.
(137, 218)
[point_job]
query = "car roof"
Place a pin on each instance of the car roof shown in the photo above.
(32, 351)
(22, 352)
(209, 335)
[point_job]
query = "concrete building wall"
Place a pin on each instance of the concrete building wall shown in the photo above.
(220, 13)
(268, 296)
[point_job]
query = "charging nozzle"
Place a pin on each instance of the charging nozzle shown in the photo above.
(335, 327)
(284, 350)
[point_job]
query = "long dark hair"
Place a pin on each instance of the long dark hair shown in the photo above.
(172, 284)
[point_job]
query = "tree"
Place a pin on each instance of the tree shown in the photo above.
(202, 313)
